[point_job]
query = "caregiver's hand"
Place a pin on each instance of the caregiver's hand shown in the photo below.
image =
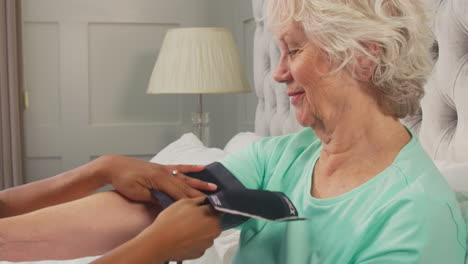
(182, 231)
(133, 178)
(188, 229)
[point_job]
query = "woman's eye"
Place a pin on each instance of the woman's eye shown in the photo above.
(293, 52)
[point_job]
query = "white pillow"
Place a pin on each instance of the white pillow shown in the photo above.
(240, 141)
(188, 149)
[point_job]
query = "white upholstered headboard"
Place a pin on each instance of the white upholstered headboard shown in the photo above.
(274, 115)
(442, 124)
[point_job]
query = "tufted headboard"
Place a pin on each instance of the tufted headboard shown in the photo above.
(442, 124)
(274, 115)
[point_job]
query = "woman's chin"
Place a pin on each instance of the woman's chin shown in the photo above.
(303, 119)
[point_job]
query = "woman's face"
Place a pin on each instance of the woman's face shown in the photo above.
(303, 67)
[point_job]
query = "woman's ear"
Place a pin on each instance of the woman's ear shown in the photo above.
(367, 62)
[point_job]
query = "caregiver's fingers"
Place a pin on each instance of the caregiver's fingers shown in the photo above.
(191, 185)
(196, 183)
(176, 189)
(196, 201)
(179, 186)
(186, 168)
(209, 210)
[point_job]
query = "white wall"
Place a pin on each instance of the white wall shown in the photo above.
(234, 113)
(87, 65)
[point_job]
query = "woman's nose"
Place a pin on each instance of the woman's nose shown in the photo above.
(282, 73)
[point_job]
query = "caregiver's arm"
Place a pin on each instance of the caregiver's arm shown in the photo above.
(182, 231)
(96, 224)
(131, 177)
(86, 227)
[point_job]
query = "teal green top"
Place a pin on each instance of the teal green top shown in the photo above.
(405, 214)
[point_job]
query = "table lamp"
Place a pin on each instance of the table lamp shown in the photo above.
(198, 61)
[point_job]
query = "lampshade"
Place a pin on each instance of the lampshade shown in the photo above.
(198, 61)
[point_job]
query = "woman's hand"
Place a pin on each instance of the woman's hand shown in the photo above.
(133, 178)
(188, 229)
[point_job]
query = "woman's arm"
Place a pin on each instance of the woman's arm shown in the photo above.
(85, 227)
(131, 177)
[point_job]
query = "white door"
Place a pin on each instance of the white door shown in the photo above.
(87, 66)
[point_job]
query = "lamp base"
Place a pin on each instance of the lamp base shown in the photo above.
(201, 127)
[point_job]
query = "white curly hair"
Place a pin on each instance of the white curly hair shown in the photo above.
(342, 28)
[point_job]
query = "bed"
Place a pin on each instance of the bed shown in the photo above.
(442, 123)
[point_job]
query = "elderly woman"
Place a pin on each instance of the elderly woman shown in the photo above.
(352, 69)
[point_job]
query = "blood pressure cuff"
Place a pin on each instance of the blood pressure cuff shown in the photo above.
(237, 202)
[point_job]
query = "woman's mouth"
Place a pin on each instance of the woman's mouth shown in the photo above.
(296, 97)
